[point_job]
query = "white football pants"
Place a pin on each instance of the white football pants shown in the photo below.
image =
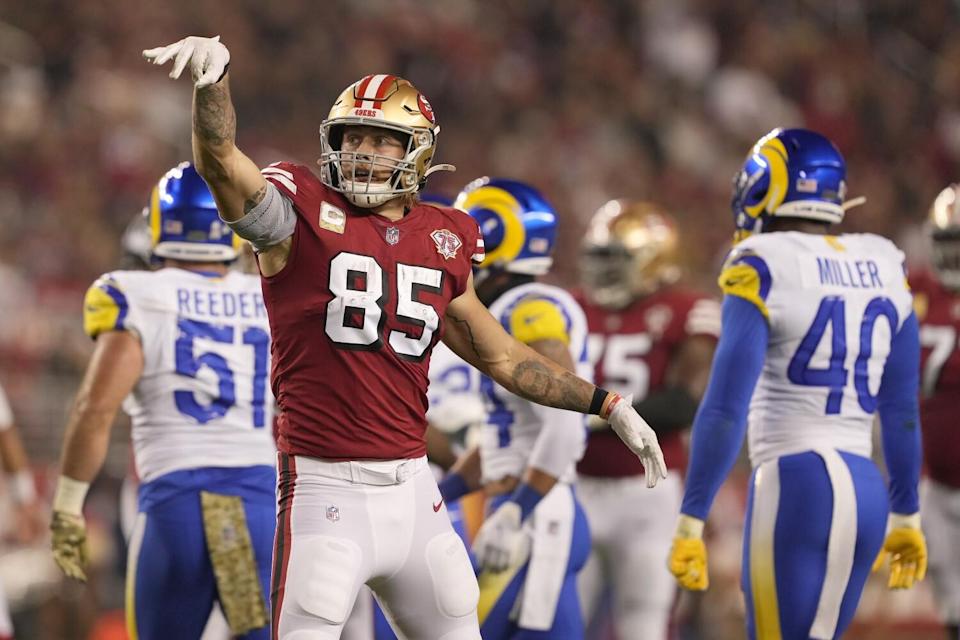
(382, 523)
(632, 528)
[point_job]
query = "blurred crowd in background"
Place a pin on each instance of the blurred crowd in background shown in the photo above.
(586, 99)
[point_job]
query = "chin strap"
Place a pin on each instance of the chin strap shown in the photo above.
(439, 167)
(853, 202)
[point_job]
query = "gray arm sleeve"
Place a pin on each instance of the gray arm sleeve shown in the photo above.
(269, 223)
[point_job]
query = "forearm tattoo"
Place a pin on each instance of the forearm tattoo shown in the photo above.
(536, 381)
(214, 120)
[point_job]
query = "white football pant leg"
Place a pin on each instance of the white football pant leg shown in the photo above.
(941, 525)
(633, 529)
(434, 594)
(359, 626)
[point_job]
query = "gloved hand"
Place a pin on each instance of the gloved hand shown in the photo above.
(640, 438)
(501, 542)
(69, 544)
(456, 411)
(688, 555)
(907, 549)
(208, 58)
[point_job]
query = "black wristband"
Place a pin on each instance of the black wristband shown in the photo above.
(222, 75)
(596, 405)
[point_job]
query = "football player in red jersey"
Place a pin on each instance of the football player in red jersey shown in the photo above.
(654, 339)
(937, 303)
(360, 281)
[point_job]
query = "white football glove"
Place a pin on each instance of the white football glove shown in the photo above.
(208, 58)
(501, 542)
(640, 438)
(456, 411)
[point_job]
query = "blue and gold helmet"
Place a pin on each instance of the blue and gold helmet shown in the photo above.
(519, 226)
(790, 173)
(183, 220)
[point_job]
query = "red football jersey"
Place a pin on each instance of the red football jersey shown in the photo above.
(938, 310)
(631, 350)
(355, 314)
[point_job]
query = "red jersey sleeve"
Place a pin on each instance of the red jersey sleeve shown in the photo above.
(467, 233)
(296, 183)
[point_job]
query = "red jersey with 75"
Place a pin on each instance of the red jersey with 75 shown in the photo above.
(354, 315)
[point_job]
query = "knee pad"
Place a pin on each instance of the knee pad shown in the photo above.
(324, 574)
(452, 576)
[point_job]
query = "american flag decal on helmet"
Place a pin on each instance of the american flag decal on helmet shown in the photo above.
(372, 91)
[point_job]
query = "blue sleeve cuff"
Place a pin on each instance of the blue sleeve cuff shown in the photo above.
(721, 421)
(453, 487)
(527, 497)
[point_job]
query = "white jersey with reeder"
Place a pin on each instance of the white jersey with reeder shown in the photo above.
(204, 397)
(529, 312)
(833, 304)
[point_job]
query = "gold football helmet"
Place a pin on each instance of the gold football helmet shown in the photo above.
(629, 251)
(389, 102)
(944, 225)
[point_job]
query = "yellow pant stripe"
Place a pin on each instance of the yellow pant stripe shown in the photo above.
(763, 584)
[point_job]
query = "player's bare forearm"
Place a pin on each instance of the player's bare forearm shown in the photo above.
(233, 178)
(539, 480)
(468, 467)
(690, 367)
(439, 451)
(13, 457)
(476, 336)
(114, 369)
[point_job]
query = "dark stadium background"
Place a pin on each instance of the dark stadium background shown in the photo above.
(587, 100)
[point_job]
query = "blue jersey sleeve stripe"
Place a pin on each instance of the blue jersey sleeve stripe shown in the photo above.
(120, 300)
(760, 266)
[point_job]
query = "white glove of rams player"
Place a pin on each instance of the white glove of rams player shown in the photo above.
(501, 542)
(208, 58)
(637, 434)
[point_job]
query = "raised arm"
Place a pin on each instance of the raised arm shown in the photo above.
(233, 178)
(476, 336)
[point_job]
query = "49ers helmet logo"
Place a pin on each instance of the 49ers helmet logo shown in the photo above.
(426, 109)
(447, 242)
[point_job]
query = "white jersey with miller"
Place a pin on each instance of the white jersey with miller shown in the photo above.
(204, 397)
(512, 423)
(833, 304)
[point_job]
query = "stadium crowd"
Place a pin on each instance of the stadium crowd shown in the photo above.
(587, 99)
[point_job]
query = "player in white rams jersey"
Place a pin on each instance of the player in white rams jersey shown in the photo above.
(535, 539)
(819, 330)
(186, 349)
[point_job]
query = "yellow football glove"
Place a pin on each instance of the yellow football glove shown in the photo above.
(907, 550)
(69, 544)
(688, 555)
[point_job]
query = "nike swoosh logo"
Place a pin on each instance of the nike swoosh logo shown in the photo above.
(531, 319)
(437, 506)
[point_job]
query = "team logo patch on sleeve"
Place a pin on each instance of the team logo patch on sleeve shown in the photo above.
(448, 243)
(332, 218)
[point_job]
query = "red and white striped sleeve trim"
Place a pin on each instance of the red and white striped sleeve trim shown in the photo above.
(479, 252)
(281, 178)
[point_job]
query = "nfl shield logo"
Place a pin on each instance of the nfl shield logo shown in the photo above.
(333, 513)
(447, 242)
(392, 235)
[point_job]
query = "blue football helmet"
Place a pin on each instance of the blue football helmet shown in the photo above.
(184, 222)
(790, 173)
(519, 226)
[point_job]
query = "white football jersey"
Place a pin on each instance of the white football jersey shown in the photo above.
(833, 304)
(204, 398)
(530, 312)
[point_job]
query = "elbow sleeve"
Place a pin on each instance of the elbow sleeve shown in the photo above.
(269, 223)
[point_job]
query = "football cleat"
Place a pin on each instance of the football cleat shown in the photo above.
(519, 226)
(388, 102)
(629, 251)
(184, 222)
(944, 229)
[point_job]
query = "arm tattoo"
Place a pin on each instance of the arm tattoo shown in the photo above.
(473, 340)
(214, 120)
(254, 200)
(552, 387)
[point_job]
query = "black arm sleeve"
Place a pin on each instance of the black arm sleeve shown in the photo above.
(668, 410)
